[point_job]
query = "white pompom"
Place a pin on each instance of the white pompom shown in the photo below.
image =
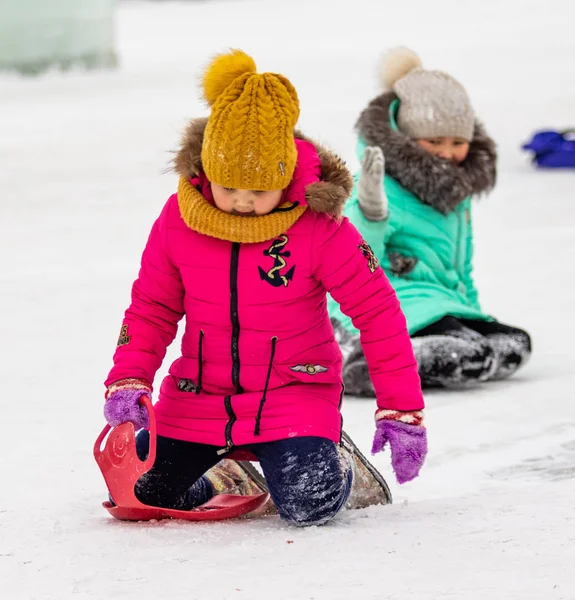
(395, 64)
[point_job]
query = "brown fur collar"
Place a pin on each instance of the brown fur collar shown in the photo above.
(326, 196)
(435, 181)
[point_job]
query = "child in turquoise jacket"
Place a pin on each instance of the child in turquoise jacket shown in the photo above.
(423, 156)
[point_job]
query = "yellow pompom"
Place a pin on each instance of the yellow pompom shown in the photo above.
(222, 71)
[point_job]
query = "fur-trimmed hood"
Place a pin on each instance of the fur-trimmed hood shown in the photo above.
(326, 196)
(435, 181)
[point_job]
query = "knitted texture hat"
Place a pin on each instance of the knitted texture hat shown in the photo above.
(249, 139)
(433, 104)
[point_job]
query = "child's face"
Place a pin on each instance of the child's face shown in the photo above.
(450, 148)
(246, 203)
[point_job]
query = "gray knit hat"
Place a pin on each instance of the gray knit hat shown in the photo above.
(433, 104)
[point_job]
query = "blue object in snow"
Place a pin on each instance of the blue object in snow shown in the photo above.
(553, 149)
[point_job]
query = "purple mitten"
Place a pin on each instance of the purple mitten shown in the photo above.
(408, 445)
(123, 404)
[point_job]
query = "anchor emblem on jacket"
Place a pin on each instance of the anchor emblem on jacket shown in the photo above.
(274, 276)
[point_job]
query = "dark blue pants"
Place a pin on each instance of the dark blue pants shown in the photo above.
(307, 479)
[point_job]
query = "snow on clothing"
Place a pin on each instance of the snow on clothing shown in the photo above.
(449, 353)
(454, 351)
(308, 478)
(259, 360)
(426, 244)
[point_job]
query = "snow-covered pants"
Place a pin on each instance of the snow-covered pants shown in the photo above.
(308, 480)
(450, 353)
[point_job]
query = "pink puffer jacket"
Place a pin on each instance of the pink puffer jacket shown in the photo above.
(258, 360)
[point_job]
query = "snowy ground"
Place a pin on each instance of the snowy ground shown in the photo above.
(81, 175)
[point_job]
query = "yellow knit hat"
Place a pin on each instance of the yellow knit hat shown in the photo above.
(249, 140)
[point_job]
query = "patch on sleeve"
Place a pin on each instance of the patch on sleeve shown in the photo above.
(368, 254)
(124, 338)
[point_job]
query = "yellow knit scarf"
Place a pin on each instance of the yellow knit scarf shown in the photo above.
(201, 216)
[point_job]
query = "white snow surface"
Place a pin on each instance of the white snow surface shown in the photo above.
(82, 177)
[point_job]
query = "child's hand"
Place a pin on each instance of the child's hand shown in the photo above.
(123, 403)
(371, 195)
(407, 439)
(373, 162)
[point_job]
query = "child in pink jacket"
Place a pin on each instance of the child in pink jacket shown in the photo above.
(247, 250)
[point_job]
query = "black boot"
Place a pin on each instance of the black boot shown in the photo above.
(453, 362)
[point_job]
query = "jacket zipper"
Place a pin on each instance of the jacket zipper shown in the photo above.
(234, 317)
(235, 347)
(200, 361)
(266, 384)
(340, 404)
(232, 419)
(458, 242)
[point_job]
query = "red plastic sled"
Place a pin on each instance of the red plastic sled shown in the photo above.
(121, 468)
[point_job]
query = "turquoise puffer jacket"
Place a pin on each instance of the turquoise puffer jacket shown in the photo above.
(425, 246)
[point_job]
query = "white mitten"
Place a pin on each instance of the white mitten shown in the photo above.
(371, 195)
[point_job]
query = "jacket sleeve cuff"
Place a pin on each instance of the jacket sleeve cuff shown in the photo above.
(128, 384)
(414, 417)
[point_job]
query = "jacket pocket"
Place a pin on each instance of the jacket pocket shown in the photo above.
(187, 385)
(401, 265)
(308, 372)
(187, 378)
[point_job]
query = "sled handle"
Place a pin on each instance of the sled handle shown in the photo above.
(146, 402)
(100, 439)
